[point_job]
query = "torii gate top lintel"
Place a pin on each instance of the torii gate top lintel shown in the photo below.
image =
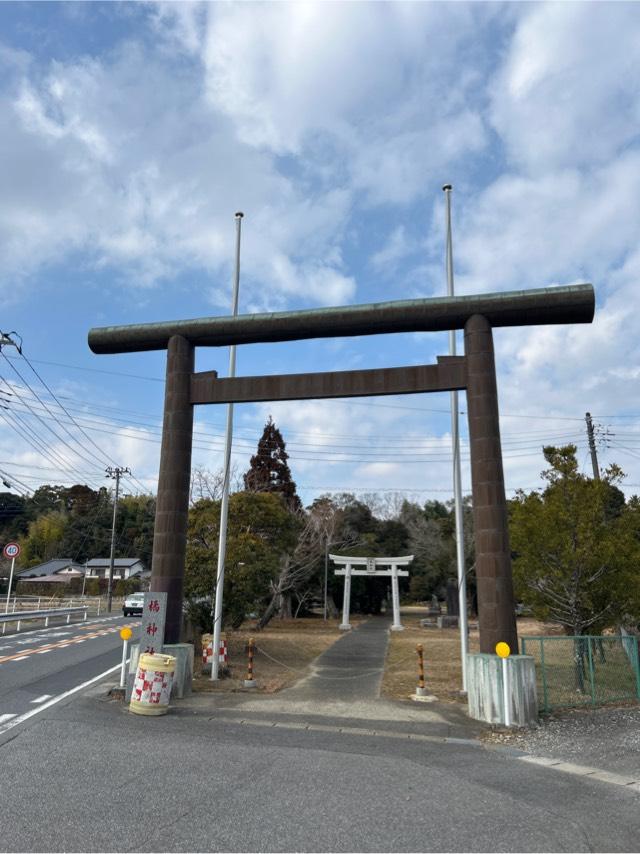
(366, 561)
(569, 304)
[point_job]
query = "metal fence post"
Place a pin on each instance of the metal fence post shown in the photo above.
(636, 664)
(545, 693)
(592, 675)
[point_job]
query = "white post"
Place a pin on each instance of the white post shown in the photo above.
(125, 645)
(224, 504)
(506, 692)
(395, 596)
(6, 610)
(346, 603)
(457, 481)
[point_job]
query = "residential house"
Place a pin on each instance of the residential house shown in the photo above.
(123, 567)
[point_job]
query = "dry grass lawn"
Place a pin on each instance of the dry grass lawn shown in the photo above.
(284, 650)
(441, 650)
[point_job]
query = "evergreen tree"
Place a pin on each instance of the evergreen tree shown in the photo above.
(269, 470)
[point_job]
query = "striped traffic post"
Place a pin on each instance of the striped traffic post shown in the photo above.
(421, 690)
(250, 682)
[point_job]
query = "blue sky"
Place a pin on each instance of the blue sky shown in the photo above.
(131, 133)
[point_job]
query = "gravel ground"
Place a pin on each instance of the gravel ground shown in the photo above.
(607, 739)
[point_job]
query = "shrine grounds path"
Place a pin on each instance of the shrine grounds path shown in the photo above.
(301, 771)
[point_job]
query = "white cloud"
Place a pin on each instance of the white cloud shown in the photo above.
(568, 93)
(355, 88)
(118, 158)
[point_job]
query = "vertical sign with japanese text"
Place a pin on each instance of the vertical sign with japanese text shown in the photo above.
(154, 614)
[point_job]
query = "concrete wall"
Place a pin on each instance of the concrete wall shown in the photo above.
(485, 689)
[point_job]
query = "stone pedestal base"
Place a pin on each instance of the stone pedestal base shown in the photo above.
(397, 628)
(423, 698)
(344, 627)
(447, 622)
(486, 694)
(249, 683)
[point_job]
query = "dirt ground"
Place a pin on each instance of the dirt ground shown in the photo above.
(286, 648)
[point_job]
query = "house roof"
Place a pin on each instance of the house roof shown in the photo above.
(50, 567)
(54, 579)
(119, 561)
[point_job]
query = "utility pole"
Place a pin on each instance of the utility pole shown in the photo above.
(592, 446)
(326, 573)
(115, 473)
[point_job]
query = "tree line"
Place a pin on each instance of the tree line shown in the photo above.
(575, 542)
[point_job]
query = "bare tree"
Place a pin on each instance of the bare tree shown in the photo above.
(296, 578)
(207, 484)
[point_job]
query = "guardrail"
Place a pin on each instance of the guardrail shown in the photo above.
(21, 616)
(96, 604)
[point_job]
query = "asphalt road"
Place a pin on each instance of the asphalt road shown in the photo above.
(102, 779)
(82, 773)
(38, 665)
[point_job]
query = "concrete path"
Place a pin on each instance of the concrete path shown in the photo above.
(342, 688)
(350, 670)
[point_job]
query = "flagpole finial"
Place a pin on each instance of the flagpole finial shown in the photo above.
(239, 214)
(447, 187)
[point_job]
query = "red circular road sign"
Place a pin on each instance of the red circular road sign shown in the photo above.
(11, 550)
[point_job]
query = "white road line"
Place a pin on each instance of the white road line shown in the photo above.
(41, 699)
(20, 658)
(10, 724)
(4, 718)
(43, 651)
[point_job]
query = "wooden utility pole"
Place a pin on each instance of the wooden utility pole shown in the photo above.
(592, 446)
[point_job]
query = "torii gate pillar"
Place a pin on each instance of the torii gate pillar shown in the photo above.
(496, 614)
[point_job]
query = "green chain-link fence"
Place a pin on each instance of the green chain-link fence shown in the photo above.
(584, 670)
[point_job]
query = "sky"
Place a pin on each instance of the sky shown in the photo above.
(130, 134)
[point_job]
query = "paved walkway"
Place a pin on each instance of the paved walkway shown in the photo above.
(343, 688)
(350, 670)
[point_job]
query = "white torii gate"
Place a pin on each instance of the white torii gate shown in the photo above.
(370, 567)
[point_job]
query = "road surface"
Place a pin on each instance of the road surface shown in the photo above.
(39, 665)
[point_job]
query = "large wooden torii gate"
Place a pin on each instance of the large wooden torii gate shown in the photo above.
(473, 372)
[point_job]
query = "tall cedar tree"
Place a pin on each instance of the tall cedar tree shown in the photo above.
(269, 470)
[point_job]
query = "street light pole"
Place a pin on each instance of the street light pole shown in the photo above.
(224, 504)
(115, 473)
(457, 481)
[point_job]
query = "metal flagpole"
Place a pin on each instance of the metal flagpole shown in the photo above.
(224, 507)
(457, 483)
